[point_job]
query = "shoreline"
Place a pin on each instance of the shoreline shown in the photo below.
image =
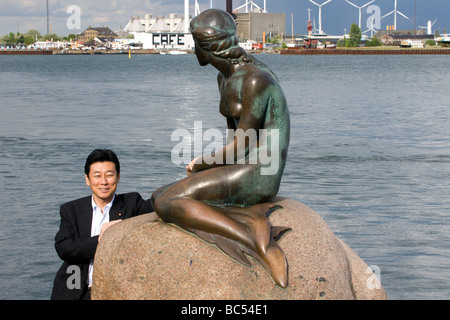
(80, 52)
(346, 51)
(367, 51)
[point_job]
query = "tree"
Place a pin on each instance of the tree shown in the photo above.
(355, 35)
(70, 37)
(28, 40)
(11, 38)
(51, 37)
(341, 43)
(33, 33)
(430, 43)
(20, 39)
(373, 42)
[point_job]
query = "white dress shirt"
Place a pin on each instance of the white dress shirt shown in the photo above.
(98, 219)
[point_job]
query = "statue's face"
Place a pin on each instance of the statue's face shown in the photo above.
(202, 55)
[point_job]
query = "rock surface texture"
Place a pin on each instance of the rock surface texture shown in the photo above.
(145, 258)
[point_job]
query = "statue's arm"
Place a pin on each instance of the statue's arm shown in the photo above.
(254, 104)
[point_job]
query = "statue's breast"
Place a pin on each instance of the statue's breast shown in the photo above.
(231, 102)
(235, 109)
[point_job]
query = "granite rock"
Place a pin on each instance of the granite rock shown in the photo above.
(145, 258)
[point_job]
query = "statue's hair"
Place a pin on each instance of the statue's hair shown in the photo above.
(215, 32)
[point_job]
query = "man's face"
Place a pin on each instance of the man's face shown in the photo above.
(103, 180)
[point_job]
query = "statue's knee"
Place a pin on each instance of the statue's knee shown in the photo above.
(161, 206)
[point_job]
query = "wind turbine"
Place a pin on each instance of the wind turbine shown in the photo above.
(395, 11)
(429, 27)
(360, 8)
(320, 13)
(197, 9)
(372, 28)
(252, 4)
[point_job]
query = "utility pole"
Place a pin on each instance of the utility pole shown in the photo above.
(415, 17)
(48, 20)
(230, 6)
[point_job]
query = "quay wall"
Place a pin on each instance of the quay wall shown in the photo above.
(363, 51)
(26, 52)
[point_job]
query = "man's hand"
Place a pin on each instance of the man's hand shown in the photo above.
(106, 226)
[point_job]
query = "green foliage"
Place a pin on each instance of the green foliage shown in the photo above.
(354, 40)
(344, 43)
(276, 40)
(341, 43)
(34, 33)
(28, 40)
(355, 35)
(373, 42)
(51, 36)
(32, 36)
(70, 37)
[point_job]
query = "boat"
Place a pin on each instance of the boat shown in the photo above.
(176, 52)
(411, 44)
(444, 38)
(173, 52)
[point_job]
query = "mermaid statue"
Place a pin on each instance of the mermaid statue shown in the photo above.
(226, 197)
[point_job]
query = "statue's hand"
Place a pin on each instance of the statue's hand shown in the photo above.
(190, 168)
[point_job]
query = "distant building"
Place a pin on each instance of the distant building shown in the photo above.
(253, 25)
(104, 34)
(161, 32)
(150, 24)
(396, 37)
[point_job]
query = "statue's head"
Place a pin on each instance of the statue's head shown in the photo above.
(214, 31)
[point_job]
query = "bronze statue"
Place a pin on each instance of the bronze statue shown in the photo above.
(227, 201)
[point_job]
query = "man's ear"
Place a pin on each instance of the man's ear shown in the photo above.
(87, 180)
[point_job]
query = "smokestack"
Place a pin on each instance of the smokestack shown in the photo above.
(186, 16)
(230, 6)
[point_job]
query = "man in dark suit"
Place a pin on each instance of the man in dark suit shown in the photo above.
(83, 222)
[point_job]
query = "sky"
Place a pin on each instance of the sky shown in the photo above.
(337, 15)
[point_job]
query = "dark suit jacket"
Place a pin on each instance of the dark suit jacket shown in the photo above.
(73, 241)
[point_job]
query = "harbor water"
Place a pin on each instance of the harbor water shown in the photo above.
(369, 151)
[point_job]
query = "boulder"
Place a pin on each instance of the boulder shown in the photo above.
(146, 258)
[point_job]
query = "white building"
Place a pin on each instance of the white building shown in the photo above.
(166, 33)
(161, 32)
(48, 45)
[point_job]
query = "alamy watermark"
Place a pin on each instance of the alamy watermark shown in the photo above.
(253, 147)
(74, 280)
(374, 279)
(374, 21)
(73, 22)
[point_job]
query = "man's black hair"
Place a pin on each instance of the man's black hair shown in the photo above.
(101, 155)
